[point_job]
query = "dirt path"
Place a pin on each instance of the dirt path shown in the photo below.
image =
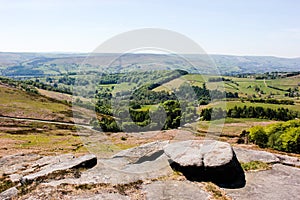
(46, 121)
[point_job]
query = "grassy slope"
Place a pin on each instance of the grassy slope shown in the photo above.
(26, 137)
(17, 103)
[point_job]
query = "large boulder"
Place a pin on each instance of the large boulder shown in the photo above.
(206, 160)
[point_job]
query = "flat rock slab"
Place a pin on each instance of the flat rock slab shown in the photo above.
(140, 163)
(104, 196)
(289, 160)
(279, 183)
(175, 190)
(14, 163)
(86, 161)
(248, 155)
(47, 160)
(146, 152)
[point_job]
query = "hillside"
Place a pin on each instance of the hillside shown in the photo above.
(40, 64)
(51, 106)
(246, 87)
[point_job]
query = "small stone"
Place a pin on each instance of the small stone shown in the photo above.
(9, 193)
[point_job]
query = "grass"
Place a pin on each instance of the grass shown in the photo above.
(15, 102)
(232, 127)
(61, 141)
(5, 183)
(255, 166)
(285, 83)
(216, 192)
(148, 108)
(106, 149)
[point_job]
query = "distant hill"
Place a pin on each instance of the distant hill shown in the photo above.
(40, 64)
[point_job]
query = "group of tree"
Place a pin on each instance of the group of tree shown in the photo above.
(218, 79)
(168, 115)
(23, 85)
(283, 136)
(44, 86)
(282, 114)
(272, 101)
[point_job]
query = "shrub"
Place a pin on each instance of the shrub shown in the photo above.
(283, 136)
(258, 136)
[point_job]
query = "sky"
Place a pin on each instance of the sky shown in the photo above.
(234, 27)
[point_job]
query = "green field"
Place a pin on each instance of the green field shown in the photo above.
(231, 104)
(245, 87)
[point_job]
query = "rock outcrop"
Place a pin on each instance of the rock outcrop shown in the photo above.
(280, 182)
(87, 161)
(175, 190)
(140, 163)
(206, 161)
(147, 171)
(248, 155)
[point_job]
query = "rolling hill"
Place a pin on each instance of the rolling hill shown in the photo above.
(40, 64)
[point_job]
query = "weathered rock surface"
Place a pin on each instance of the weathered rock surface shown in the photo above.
(140, 163)
(9, 193)
(197, 160)
(13, 163)
(248, 155)
(86, 161)
(281, 182)
(47, 160)
(288, 160)
(206, 161)
(17, 166)
(199, 153)
(175, 190)
(104, 196)
(143, 153)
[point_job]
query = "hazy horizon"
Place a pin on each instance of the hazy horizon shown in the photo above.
(78, 53)
(268, 28)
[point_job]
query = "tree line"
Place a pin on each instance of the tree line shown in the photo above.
(282, 114)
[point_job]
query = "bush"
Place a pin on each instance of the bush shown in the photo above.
(258, 136)
(283, 136)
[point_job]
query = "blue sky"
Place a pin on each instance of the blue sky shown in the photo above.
(270, 27)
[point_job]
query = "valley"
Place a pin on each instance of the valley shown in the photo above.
(114, 116)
